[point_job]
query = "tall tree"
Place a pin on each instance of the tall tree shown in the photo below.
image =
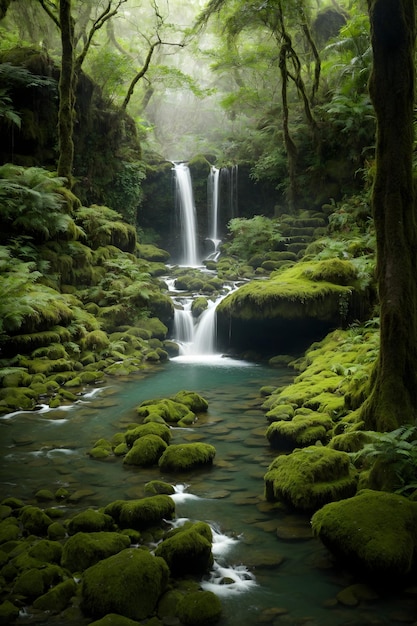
(393, 393)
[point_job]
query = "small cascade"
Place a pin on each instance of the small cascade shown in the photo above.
(195, 337)
(185, 204)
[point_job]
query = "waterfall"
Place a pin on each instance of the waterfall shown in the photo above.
(185, 201)
(196, 337)
(213, 197)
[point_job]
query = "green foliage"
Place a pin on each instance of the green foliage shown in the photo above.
(394, 452)
(256, 235)
(32, 204)
(126, 192)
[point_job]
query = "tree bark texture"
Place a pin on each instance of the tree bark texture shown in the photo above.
(393, 391)
(66, 93)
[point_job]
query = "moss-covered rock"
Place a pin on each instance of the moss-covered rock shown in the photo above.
(188, 551)
(128, 583)
(29, 584)
(9, 530)
(186, 456)
(34, 520)
(8, 612)
(301, 431)
(139, 514)
(193, 400)
(161, 430)
(311, 477)
(169, 410)
(145, 451)
(46, 550)
(373, 532)
(201, 608)
(84, 549)
(58, 598)
(90, 521)
(155, 487)
(112, 619)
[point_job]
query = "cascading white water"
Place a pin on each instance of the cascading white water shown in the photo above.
(213, 199)
(185, 199)
(196, 337)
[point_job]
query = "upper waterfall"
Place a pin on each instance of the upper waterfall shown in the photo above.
(185, 201)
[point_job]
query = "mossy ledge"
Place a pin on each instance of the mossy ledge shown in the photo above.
(303, 301)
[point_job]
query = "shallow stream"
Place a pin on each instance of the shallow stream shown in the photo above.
(283, 576)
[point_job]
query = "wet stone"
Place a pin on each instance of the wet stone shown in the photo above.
(218, 495)
(347, 597)
(81, 494)
(294, 529)
(268, 615)
(269, 526)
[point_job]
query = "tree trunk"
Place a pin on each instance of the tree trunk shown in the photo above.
(66, 93)
(393, 391)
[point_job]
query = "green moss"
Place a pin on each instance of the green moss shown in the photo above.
(139, 514)
(373, 532)
(201, 608)
(112, 619)
(193, 400)
(301, 431)
(161, 430)
(187, 456)
(29, 584)
(46, 550)
(289, 294)
(169, 410)
(350, 441)
(145, 451)
(8, 612)
(155, 487)
(187, 551)
(58, 598)
(90, 521)
(152, 253)
(129, 584)
(84, 549)
(34, 520)
(154, 326)
(309, 478)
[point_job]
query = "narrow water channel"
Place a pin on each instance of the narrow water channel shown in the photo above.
(289, 578)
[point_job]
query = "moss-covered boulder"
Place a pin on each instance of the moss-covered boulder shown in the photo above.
(155, 487)
(34, 520)
(169, 410)
(188, 551)
(46, 551)
(90, 521)
(301, 431)
(139, 514)
(373, 532)
(200, 608)
(152, 428)
(187, 456)
(193, 400)
(58, 598)
(8, 612)
(29, 584)
(129, 584)
(112, 619)
(310, 477)
(145, 451)
(84, 549)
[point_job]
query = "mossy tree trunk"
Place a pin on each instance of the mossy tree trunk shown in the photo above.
(66, 93)
(393, 391)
